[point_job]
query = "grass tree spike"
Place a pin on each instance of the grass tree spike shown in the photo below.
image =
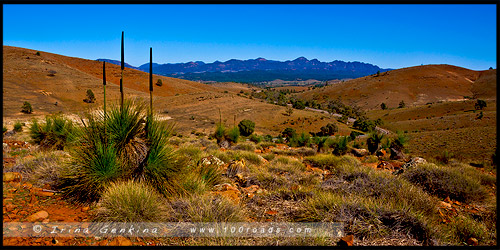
(121, 78)
(151, 80)
(104, 86)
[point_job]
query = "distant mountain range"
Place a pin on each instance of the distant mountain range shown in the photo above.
(117, 63)
(261, 70)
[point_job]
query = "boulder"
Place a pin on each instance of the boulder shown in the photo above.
(347, 240)
(12, 176)
(396, 154)
(359, 152)
(224, 144)
(229, 191)
(472, 242)
(385, 165)
(41, 215)
(413, 162)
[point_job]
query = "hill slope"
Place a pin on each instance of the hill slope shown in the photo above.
(414, 85)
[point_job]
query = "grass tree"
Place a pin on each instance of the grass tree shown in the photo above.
(121, 77)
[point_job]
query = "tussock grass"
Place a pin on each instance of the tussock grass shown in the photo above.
(131, 201)
(464, 227)
(444, 181)
(235, 155)
(303, 151)
(206, 208)
(43, 168)
(246, 146)
(328, 161)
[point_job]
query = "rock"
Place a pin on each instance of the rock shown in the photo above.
(347, 240)
(262, 159)
(235, 167)
(12, 176)
(472, 242)
(385, 165)
(359, 152)
(414, 162)
(9, 133)
(85, 209)
(381, 153)
(240, 179)
(210, 160)
(225, 187)
(38, 216)
(396, 154)
(9, 207)
(224, 144)
(252, 190)
(120, 241)
(445, 204)
(229, 191)
(258, 151)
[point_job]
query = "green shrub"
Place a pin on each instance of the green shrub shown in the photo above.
(37, 53)
(383, 106)
(444, 181)
(354, 134)
(233, 135)
(245, 146)
(300, 140)
(18, 127)
(131, 201)
(480, 104)
(328, 130)
(159, 83)
(401, 104)
(26, 108)
(246, 127)
(340, 145)
(4, 129)
(462, 228)
(255, 138)
(57, 132)
(288, 132)
(220, 132)
(268, 138)
(364, 124)
(400, 141)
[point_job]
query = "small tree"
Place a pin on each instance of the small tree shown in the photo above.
(401, 104)
(288, 132)
(159, 82)
(90, 97)
(480, 104)
(26, 108)
(289, 111)
(374, 141)
(329, 129)
(383, 106)
(246, 127)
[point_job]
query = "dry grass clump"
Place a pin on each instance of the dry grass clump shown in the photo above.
(444, 181)
(246, 146)
(464, 227)
(206, 208)
(43, 168)
(131, 201)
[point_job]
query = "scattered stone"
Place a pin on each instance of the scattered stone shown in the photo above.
(359, 152)
(12, 176)
(347, 240)
(445, 204)
(224, 144)
(385, 165)
(210, 160)
(413, 162)
(38, 216)
(472, 242)
(258, 151)
(272, 212)
(84, 209)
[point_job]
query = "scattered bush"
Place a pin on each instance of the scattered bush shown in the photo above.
(298, 104)
(18, 127)
(37, 53)
(383, 106)
(43, 168)
(26, 108)
(4, 129)
(90, 97)
(220, 132)
(480, 104)
(246, 127)
(401, 104)
(159, 82)
(364, 124)
(268, 138)
(340, 145)
(131, 201)
(354, 134)
(288, 133)
(255, 138)
(399, 142)
(245, 146)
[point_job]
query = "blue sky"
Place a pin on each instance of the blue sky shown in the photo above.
(390, 36)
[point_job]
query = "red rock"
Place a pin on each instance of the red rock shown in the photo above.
(41, 215)
(347, 240)
(9, 207)
(472, 242)
(258, 151)
(84, 209)
(44, 193)
(272, 212)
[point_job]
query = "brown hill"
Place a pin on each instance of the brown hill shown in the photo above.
(414, 85)
(192, 106)
(49, 78)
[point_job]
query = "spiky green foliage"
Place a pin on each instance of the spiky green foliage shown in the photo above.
(340, 145)
(246, 127)
(220, 132)
(126, 145)
(400, 141)
(57, 132)
(233, 135)
(18, 127)
(374, 141)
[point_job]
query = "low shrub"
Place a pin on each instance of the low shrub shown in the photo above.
(131, 201)
(444, 181)
(206, 208)
(340, 145)
(461, 228)
(43, 168)
(26, 108)
(245, 146)
(4, 129)
(255, 138)
(233, 135)
(18, 127)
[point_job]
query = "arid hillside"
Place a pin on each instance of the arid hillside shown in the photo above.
(414, 85)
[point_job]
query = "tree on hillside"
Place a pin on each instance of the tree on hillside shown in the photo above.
(246, 127)
(289, 111)
(402, 104)
(480, 104)
(383, 106)
(26, 108)
(90, 97)
(159, 82)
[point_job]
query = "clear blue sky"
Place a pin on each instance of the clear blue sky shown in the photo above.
(390, 36)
